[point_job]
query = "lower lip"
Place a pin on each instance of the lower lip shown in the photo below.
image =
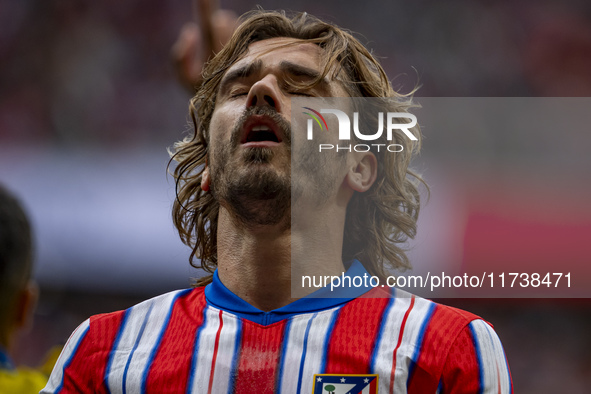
(261, 144)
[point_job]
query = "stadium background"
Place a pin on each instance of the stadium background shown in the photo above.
(89, 102)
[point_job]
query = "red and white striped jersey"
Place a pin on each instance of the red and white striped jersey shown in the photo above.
(207, 340)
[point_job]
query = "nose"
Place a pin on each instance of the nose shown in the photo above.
(265, 92)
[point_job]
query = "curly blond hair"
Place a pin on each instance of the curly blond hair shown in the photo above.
(378, 221)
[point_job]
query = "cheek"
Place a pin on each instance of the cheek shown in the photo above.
(215, 141)
(224, 119)
(223, 122)
(219, 129)
(216, 126)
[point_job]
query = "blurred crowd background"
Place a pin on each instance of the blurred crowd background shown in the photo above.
(89, 102)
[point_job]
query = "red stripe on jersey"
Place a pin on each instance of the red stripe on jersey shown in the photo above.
(215, 353)
(402, 326)
(259, 357)
(92, 356)
(354, 336)
(461, 368)
(170, 370)
(435, 346)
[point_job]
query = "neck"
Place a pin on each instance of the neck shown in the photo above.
(257, 264)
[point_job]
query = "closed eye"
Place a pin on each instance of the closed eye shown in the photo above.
(238, 93)
(300, 93)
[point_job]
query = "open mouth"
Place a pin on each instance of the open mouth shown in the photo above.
(261, 133)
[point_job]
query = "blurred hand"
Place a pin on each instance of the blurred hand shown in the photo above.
(197, 43)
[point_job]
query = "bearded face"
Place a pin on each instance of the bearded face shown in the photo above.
(244, 177)
(251, 169)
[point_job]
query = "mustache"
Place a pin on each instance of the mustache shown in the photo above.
(283, 124)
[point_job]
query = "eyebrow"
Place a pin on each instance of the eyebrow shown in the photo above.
(290, 68)
(298, 70)
(240, 73)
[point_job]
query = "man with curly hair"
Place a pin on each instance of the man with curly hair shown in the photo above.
(241, 330)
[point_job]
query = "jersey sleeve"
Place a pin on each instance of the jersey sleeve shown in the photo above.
(84, 363)
(476, 363)
(62, 366)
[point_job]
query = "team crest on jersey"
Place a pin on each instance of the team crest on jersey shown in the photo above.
(345, 384)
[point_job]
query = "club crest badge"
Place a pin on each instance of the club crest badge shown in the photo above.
(345, 384)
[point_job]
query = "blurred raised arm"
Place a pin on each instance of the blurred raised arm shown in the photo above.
(197, 42)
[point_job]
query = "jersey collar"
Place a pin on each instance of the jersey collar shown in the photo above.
(219, 296)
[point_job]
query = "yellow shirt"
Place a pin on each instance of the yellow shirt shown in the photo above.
(25, 380)
(21, 381)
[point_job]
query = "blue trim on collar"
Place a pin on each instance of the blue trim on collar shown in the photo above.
(5, 360)
(219, 296)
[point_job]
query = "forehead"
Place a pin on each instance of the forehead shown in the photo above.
(274, 50)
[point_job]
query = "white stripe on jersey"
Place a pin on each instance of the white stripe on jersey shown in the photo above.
(390, 331)
(316, 347)
(204, 351)
(56, 380)
(315, 350)
(130, 332)
(408, 346)
(292, 355)
(225, 355)
(151, 335)
(491, 358)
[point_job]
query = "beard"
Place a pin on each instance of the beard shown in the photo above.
(254, 191)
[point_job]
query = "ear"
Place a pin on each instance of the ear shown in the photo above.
(205, 179)
(27, 302)
(363, 173)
